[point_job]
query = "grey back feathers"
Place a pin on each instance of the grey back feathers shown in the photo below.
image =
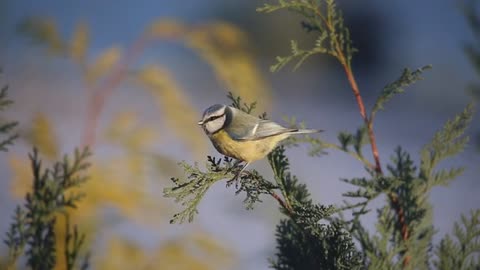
(242, 126)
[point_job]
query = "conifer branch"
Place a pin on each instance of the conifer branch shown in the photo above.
(73, 242)
(33, 225)
(463, 250)
(318, 146)
(190, 189)
(324, 18)
(7, 127)
(294, 201)
(329, 22)
(282, 203)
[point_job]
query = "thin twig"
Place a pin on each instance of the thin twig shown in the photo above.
(403, 224)
(371, 134)
(378, 168)
(356, 91)
(363, 113)
(282, 203)
(353, 154)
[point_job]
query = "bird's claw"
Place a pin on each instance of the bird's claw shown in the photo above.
(230, 182)
(238, 174)
(235, 179)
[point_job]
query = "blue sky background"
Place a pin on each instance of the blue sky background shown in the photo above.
(390, 35)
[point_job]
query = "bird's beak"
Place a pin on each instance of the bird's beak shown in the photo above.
(200, 123)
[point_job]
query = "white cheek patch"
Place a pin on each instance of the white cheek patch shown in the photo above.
(215, 125)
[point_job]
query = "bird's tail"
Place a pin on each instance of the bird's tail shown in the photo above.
(305, 131)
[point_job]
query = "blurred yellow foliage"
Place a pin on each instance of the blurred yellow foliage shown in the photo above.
(79, 42)
(21, 176)
(103, 64)
(42, 135)
(124, 130)
(119, 182)
(223, 47)
(174, 255)
(176, 107)
(123, 178)
(166, 29)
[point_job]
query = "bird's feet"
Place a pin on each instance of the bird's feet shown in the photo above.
(233, 180)
(233, 167)
(237, 176)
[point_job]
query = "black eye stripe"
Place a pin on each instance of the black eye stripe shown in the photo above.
(214, 117)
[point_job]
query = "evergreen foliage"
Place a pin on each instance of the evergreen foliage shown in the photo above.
(53, 194)
(190, 189)
(407, 78)
(322, 17)
(316, 236)
(6, 127)
(472, 50)
(459, 252)
(310, 235)
(305, 240)
(333, 244)
(101, 72)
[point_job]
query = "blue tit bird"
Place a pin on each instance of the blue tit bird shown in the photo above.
(242, 136)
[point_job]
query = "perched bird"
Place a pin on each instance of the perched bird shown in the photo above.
(242, 136)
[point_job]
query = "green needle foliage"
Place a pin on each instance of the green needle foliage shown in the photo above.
(6, 127)
(32, 229)
(190, 190)
(317, 236)
(305, 240)
(460, 253)
(334, 247)
(192, 187)
(407, 78)
(322, 17)
(472, 50)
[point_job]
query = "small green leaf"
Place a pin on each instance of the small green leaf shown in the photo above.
(463, 251)
(407, 78)
(448, 141)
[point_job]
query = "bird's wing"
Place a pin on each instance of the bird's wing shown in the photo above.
(253, 128)
(266, 128)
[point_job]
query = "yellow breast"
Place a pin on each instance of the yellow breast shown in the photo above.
(244, 150)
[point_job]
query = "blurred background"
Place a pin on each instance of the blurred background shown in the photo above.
(131, 78)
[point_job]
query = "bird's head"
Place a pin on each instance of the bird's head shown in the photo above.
(214, 118)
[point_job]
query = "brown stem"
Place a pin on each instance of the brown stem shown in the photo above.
(363, 113)
(402, 221)
(356, 91)
(282, 202)
(369, 123)
(371, 135)
(99, 94)
(378, 168)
